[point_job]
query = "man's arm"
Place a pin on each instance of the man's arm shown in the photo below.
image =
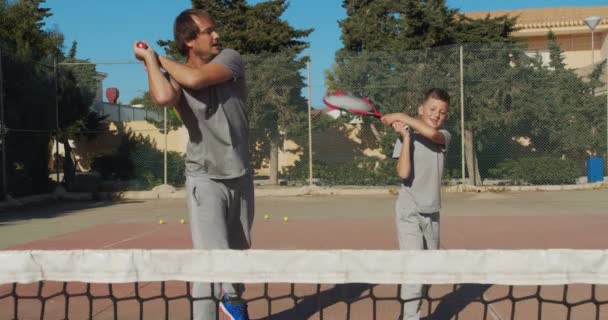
(163, 91)
(196, 77)
(416, 124)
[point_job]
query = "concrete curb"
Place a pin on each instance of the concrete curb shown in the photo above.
(259, 192)
(169, 192)
(569, 187)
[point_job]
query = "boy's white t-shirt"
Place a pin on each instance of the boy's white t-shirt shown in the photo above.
(423, 186)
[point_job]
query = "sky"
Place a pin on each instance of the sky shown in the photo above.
(105, 31)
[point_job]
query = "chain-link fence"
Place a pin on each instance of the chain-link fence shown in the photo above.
(527, 119)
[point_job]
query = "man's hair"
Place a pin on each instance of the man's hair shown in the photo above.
(185, 29)
(438, 94)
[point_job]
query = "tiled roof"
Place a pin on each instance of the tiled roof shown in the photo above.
(547, 17)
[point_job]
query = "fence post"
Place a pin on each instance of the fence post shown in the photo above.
(165, 151)
(309, 124)
(2, 131)
(462, 114)
(56, 155)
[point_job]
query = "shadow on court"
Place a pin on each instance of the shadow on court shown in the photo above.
(448, 307)
(453, 303)
(53, 209)
(307, 307)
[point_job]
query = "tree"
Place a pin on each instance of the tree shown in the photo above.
(76, 90)
(395, 50)
(272, 53)
(507, 93)
(28, 54)
(567, 118)
(29, 93)
(404, 25)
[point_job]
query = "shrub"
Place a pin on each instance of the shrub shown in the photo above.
(138, 159)
(365, 171)
(538, 170)
(113, 166)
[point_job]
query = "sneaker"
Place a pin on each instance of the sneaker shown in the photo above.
(235, 309)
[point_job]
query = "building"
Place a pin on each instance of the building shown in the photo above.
(567, 23)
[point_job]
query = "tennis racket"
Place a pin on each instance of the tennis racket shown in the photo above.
(351, 103)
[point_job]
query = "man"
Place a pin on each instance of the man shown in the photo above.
(209, 93)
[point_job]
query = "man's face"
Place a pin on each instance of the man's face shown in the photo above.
(433, 112)
(206, 45)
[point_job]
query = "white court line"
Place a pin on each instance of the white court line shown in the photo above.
(110, 245)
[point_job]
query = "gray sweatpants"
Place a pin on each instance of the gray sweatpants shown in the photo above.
(416, 231)
(221, 214)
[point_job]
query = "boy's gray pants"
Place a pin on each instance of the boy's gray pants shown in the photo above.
(416, 231)
(221, 214)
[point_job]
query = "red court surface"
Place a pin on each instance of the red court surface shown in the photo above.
(338, 230)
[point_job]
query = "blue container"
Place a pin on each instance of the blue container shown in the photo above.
(595, 169)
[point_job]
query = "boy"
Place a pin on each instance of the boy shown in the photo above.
(209, 93)
(421, 157)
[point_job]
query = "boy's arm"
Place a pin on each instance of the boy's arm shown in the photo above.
(404, 163)
(416, 124)
(163, 91)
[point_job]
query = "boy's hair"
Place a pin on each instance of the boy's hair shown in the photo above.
(185, 29)
(438, 94)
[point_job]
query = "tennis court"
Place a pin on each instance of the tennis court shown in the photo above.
(507, 220)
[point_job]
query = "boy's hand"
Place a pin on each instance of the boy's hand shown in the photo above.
(401, 129)
(390, 118)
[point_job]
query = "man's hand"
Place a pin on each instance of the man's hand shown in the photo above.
(143, 53)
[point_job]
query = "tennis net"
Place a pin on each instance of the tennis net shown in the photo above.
(296, 284)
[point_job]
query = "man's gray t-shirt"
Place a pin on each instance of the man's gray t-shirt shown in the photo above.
(217, 124)
(423, 186)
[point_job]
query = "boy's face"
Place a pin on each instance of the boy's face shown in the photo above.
(433, 112)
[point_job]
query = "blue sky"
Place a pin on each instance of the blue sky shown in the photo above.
(105, 31)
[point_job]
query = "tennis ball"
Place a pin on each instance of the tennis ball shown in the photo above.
(285, 219)
(266, 216)
(161, 221)
(182, 221)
